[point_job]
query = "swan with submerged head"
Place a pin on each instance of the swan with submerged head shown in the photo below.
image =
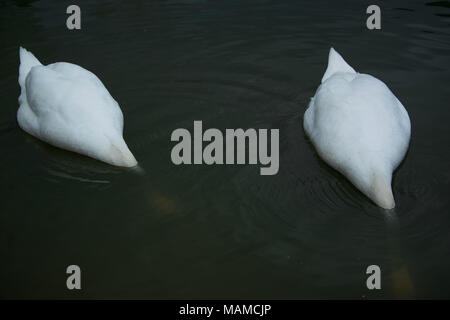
(68, 107)
(359, 128)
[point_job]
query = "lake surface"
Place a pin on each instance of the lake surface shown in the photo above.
(224, 231)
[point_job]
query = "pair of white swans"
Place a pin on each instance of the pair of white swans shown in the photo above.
(354, 121)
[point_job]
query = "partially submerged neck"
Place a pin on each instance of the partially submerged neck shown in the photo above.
(120, 155)
(380, 191)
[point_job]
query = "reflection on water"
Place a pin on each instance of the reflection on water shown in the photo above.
(165, 231)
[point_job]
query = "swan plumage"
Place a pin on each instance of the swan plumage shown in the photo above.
(358, 127)
(68, 107)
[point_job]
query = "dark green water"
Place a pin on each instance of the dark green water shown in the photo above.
(224, 231)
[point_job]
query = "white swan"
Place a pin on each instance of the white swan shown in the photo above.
(358, 127)
(69, 107)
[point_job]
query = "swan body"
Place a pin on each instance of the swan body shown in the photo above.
(358, 127)
(68, 107)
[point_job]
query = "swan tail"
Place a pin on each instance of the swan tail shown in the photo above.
(25, 116)
(336, 64)
(27, 61)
